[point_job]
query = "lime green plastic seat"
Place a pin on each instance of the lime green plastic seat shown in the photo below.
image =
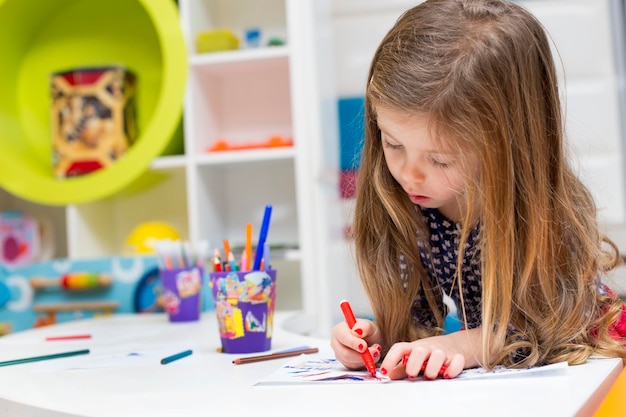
(40, 37)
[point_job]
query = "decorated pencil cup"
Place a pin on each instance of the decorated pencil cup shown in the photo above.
(244, 307)
(182, 293)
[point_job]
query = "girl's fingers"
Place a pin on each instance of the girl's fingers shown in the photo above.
(403, 362)
(433, 367)
(392, 364)
(436, 365)
(414, 361)
(455, 367)
(376, 351)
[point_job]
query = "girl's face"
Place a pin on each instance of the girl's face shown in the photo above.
(431, 177)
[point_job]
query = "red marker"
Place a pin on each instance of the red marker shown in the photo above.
(351, 321)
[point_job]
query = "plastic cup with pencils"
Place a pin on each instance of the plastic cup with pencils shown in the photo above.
(182, 276)
(182, 293)
(244, 306)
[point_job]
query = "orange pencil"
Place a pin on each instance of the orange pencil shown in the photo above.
(226, 247)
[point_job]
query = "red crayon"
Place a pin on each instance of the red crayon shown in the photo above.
(217, 261)
(368, 360)
(69, 337)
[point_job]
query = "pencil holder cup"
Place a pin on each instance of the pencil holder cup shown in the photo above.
(182, 293)
(244, 306)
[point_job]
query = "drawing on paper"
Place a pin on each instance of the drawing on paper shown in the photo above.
(306, 370)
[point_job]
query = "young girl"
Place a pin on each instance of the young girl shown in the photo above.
(466, 201)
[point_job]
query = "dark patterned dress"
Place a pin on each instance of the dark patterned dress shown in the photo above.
(439, 259)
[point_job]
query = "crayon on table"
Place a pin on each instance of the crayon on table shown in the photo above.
(275, 355)
(45, 357)
(175, 357)
(368, 360)
(69, 337)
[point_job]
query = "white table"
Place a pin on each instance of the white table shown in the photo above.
(208, 384)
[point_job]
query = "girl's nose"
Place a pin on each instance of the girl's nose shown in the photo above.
(412, 172)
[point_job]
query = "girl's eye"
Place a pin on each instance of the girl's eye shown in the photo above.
(389, 145)
(440, 163)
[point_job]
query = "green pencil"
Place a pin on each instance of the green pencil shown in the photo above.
(45, 357)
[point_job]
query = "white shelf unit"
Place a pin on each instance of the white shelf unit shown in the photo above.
(247, 96)
(243, 96)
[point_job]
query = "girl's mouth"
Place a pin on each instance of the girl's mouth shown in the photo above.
(419, 199)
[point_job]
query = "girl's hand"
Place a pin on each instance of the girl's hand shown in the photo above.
(444, 356)
(349, 343)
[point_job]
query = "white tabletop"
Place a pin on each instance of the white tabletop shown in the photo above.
(208, 383)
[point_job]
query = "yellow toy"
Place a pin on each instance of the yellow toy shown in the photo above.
(216, 40)
(141, 239)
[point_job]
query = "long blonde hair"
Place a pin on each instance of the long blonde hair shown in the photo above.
(483, 71)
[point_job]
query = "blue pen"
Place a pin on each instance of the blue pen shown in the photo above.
(262, 236)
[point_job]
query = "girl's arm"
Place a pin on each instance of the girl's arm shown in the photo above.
(445, 355)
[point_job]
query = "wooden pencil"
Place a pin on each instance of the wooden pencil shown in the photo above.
(277, 355)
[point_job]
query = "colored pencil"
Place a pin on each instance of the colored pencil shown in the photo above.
(266, 256)
(243, 262)
(275, 355)
(69, 337)
(231, 261)
(45, 357)
(248, 247)
(262, 236)
(226, 243)
(217, 264)
(175, 357)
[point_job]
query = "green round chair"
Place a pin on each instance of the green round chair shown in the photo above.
(39, 37)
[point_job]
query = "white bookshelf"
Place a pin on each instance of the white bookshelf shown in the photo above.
(243, 96)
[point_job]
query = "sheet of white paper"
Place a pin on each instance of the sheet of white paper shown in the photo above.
(500, 371)
(305, 370)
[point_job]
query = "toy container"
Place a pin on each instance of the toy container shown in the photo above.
(93, 118)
